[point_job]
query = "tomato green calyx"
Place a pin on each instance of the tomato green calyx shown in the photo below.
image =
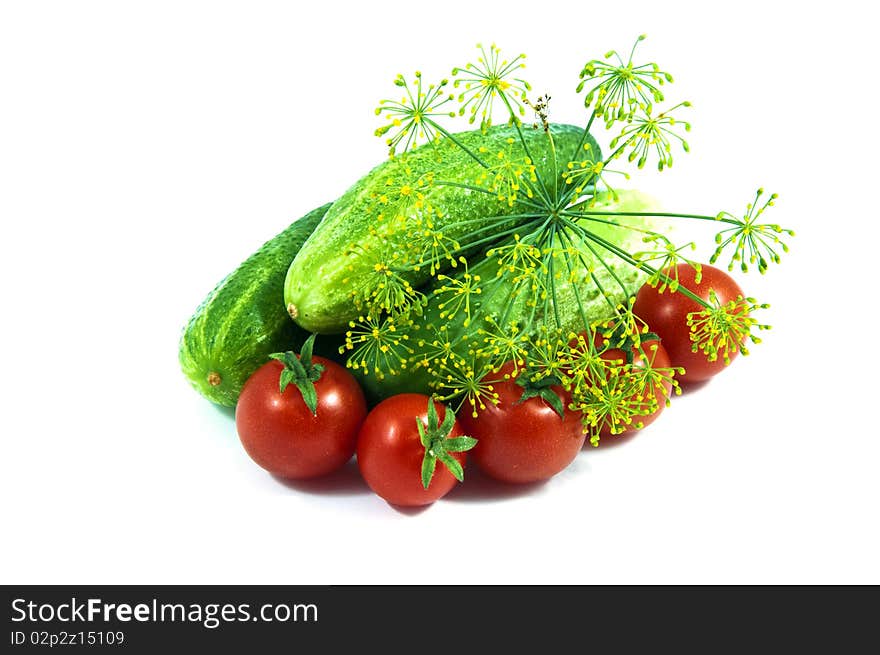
(438, 445)
(542, 388)
(302, 372)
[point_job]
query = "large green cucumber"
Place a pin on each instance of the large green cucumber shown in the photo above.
(496, 301)
(370, 226)
(243, 319)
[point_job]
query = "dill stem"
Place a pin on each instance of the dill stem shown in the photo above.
(555, 168)
(584, 134)
(566, 197)
(472, 187)
(587, 213)
(551, 276)
(574, 284)
(540, 232)
(497, 218)
(495, 237)
(610, 270)
(543, 187)
(449, 136)
(625, 256)
(463, 185)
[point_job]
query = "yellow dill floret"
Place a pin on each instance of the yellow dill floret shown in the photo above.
(412, 119)
(468, 380)
(753, 242)
(491, 78)
(501, 343)
(592, 176)
(723, 329)
(617, 89)
(457, 293)
(506, 173)
(646, 134)
(376, 346)
(665, 256)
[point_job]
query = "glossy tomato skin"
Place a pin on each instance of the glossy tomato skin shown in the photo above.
(390, 451)
(524, 442)
(666, 315)
(281, 434)
(657, 357)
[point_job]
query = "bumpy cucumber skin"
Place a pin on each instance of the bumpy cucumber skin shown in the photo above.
(336, 263)
(244, 319)
(416, 379)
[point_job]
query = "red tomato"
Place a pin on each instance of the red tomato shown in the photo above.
(666, 315)
(523, 442)
(655, 354)
(390, 451)
(281, 434)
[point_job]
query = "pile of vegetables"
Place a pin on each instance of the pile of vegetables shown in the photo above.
(486, 292)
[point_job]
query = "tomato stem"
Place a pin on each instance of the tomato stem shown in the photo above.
(438, 444)
(301, 372)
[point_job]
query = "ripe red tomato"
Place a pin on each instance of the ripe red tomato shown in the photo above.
(653, 354)
(281, 433)
(666, 315)
(523, 441)
(391, 454)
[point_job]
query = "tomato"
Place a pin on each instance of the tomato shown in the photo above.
(523, 441)
(651, 354)
(393, 457)
(666, 315)
(282, 434)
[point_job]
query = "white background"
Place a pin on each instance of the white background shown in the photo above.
(147, 148)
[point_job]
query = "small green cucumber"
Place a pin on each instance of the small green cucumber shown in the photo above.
(404, 215)
(243, 319)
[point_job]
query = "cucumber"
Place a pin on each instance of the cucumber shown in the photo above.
(389, 218)
(497, 300)
(243, 319)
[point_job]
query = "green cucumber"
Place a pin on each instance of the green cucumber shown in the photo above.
(496, 301)
(390, 217)
(243, 319)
